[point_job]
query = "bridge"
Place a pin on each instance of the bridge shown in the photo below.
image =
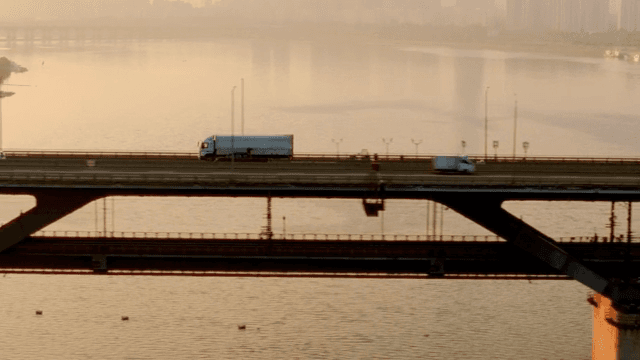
(302, 255)
(64, 182)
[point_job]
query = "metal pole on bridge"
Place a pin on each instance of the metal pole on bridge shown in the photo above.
(337, 142)
(233, 151)
(384, 140)
(242, 105)
(416, 143)
(515, 122)
(486, 119)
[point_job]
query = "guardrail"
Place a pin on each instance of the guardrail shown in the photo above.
(192, 155)
(363, 178)
(299, 237)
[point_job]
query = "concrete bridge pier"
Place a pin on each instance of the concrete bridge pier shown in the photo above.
(616, 334)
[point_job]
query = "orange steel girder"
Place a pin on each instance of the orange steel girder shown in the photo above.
(50, 207)
(489, 213)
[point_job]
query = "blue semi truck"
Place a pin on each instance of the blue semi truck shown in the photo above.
(224, 146)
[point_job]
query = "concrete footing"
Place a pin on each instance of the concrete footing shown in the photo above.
(616, 335)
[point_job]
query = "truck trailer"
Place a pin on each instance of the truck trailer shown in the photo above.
(224, 146)
(453, 164)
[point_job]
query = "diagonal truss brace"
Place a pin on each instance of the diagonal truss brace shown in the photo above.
(50, 207)
(489, 213)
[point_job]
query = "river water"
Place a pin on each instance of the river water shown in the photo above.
(168, 95)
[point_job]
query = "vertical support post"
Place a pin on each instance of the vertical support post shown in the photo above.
(435, 217)
(627, 259)
(95, 216)
(104, 216)
(441, 220)
(113, 215)
(612, 222)
(268, 231)
(427, 222)
(629, 222)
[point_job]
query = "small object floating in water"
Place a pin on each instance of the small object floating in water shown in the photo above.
(426, 335)
(38, 312)
(242, 327)
(125, 318)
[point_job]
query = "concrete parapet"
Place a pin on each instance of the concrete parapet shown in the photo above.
(616, 335)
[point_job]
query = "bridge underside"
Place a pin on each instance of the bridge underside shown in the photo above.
(481, 205)
(50, 207)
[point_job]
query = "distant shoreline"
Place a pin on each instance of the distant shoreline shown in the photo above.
(455, 37)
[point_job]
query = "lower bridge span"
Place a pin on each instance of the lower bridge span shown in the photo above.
(279, 257)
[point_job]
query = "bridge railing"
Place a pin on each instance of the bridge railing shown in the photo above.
(360, 179)
(297, 237)
(192, 155)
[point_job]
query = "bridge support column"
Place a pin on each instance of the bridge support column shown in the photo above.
(616, 335)
(50, 207)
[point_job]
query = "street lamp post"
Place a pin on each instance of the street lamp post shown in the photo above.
(486, 119)
(495, 147)
(242, 105)
(416, 143)
(337, 142)
(233, 150)
(515, 122)
(384, 140)
(464, 145)
(6, 68)
(525, 146)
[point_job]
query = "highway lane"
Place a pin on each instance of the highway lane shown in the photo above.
(346, 178)
(530, 167)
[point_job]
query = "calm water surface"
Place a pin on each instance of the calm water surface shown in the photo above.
(168, 95)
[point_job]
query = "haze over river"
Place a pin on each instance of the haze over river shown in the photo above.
(166, 96)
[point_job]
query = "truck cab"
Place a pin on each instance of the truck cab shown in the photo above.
(207, 148)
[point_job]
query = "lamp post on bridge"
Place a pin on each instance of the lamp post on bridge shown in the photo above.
(384, 140)
(525, 146)
(464, 145)
(337, 142)
(416, 143)
(6, 68)
(515, 122)
(495, 147)
(486, 119)
(233, 150)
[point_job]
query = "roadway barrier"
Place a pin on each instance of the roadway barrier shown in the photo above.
(192, 155)
(363, 178)
(300, 237)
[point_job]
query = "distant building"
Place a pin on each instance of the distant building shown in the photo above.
(474, 12)
(558, 15)
(629, 15)
(515, 15)
(594, 13)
